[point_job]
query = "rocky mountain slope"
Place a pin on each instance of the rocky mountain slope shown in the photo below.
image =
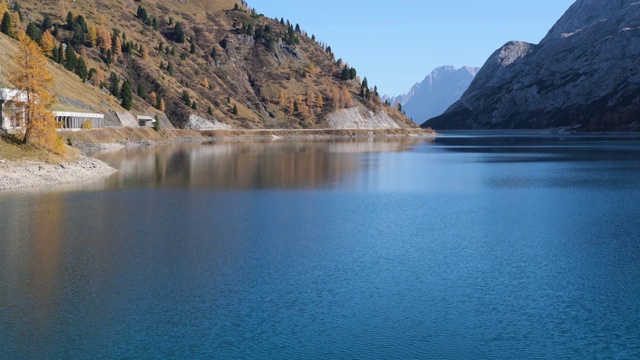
(431, 97)
(203, 64)
(584, 74)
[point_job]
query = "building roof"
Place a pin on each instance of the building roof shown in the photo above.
(12, 95)
(79, 114)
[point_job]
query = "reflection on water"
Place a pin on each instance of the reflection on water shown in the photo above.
(461, 247)
(252, 165)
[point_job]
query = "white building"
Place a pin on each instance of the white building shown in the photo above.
(12, 114)
(146, 121)
(75, 120)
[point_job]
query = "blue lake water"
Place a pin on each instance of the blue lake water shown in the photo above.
(460, 247)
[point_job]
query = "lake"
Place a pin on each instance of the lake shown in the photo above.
(463, 247)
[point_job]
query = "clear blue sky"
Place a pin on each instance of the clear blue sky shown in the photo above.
(396, 44)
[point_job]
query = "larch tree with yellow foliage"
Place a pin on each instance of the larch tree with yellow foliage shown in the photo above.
(93, 35)
(153, 98)
(47, 43)
(144, 53)
(282, 97)
(3, 7)
(32, 78)
(346, 95)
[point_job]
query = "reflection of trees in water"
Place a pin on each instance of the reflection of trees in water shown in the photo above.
(246, 165)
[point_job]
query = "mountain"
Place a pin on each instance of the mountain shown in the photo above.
(444, 86)
(584, 74)
(214, 64)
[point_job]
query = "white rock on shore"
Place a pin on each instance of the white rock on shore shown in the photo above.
(352, 118)
(23, 174)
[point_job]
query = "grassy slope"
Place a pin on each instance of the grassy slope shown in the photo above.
(208, 23)
(12, 150)
(66, 84)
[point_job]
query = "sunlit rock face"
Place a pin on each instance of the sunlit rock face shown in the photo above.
(585, 74)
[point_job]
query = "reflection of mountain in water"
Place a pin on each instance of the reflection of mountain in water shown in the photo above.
(244, 165)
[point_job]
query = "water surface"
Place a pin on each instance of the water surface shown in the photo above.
(463, 247)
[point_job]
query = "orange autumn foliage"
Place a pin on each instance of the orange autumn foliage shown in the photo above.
(32, 78)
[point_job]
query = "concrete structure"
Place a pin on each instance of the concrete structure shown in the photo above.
(12, 115)
(146, 121)
(75, 120)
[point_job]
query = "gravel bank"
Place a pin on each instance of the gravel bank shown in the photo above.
(23, 174)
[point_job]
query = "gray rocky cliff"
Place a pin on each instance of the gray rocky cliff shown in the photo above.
(431, 97)
(585, 73)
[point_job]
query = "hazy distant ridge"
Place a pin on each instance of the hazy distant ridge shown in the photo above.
(431, 97)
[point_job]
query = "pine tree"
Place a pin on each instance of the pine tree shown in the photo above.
(61, 55)
(194, 106)
(70, 58)
(81, 69)
(156, 124)
(235, 109)
(56, 55)
(193, 48)
(34, 33)
(170, 69)
(7, 27)
(186, 98)
(47, 23)
(127, 95)
(142, 14)
(142, 90)
(210, 110)
(178, 33)
(114, 84)
(345, 73)
(70, 20)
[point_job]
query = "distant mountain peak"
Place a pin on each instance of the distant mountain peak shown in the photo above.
(436, 92)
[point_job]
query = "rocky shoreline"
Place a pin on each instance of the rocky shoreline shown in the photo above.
(23, 174)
